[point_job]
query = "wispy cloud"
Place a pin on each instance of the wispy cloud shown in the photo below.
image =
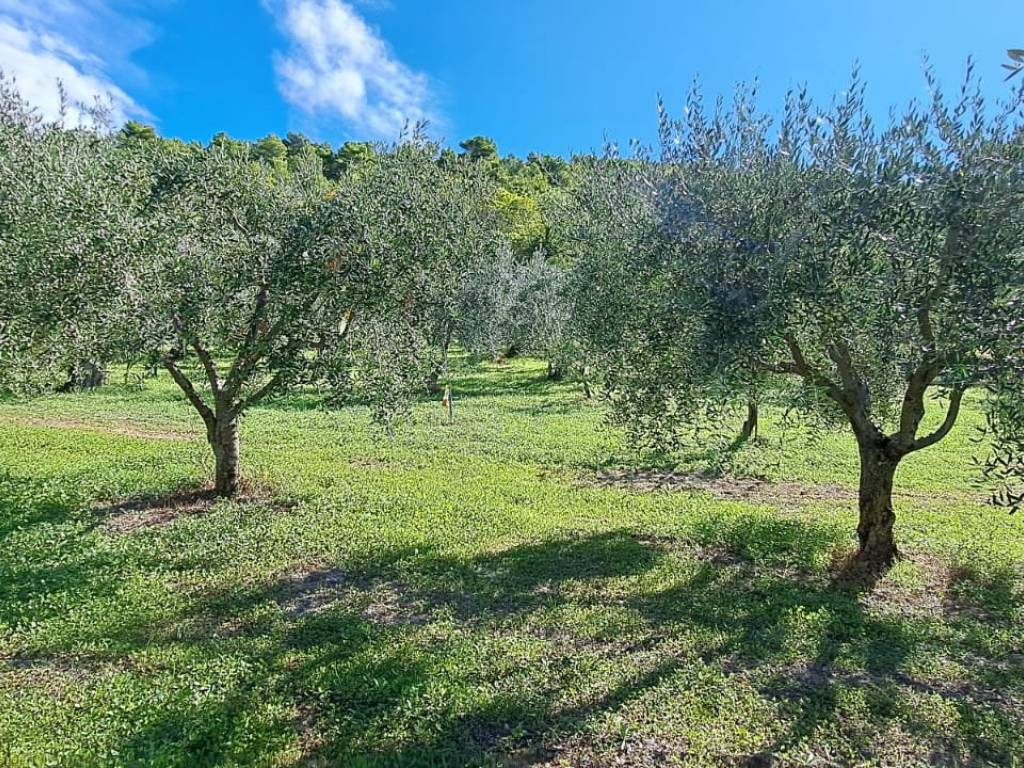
(75, 42)
(338, 66)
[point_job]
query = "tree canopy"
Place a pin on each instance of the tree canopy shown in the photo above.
(872, 268)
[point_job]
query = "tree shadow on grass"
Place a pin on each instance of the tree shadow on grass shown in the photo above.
(413, 657)
(46, 565)
(802, 642)
(710, 461)
(28, 502)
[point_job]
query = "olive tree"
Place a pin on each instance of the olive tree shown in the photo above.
(874, 268)
(250, 273)
(456, 196)
(68, 203)
(508, 303)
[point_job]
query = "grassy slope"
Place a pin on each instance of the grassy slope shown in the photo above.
(456, 596)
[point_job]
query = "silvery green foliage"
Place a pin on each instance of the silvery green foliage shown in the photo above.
(511, 304)
(388, 362)
(488, 322)
(547, 309)
(68, 204)
(264, 268)
(630, 317)
(874, 267)
(459, 200)
(441, 224)
(1004, 466)
(227, 272)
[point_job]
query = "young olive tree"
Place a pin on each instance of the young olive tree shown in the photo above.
(457, 198)
(250, 272)
(508, 303)
(873, 267)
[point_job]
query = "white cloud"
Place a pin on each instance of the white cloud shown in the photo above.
(73, 42)
(339, 66)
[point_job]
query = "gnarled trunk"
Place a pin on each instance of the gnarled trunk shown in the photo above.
(223, 437)
(749, 428)
(874, 530)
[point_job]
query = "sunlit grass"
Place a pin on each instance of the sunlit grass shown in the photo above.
(465, 593)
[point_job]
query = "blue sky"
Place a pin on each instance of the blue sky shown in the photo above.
(555, 76)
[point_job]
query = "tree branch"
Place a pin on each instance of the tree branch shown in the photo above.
(952, 412)
(200, 350)
(780, 368)
(803, 368)
(238, 223)
(912, 410)
(839, 353)
(208, 365)
(268, 388)
(240, 367)
(856, 399)
(346, 323)
(190, 392)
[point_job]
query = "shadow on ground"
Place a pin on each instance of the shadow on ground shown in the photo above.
(530, 655)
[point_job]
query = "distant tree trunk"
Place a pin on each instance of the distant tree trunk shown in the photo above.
(434, 379)
(587, 392)
(555, 372)
(874, 529)
(222, 434)
(749, 428)
(85, 375)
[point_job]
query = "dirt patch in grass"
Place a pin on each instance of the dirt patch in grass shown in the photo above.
(386, 602)
(119, 427)
(149, 511)
(56, 672)
(724, 488)
(922, 585)
(783, 494)
(799, 682)
(127, 515)
(715, 554)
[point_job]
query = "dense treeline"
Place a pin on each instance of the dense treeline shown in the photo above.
(847, 271)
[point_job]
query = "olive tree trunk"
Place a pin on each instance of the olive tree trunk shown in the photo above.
(222, 434)
(85, 376)
(874, 529)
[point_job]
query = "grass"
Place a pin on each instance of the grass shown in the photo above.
(463, 596)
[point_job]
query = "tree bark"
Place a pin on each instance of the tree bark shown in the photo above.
(749, 428)
(874, 530)
(223, 437)
(555, 372)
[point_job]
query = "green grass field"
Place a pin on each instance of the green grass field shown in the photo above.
(467, 595)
